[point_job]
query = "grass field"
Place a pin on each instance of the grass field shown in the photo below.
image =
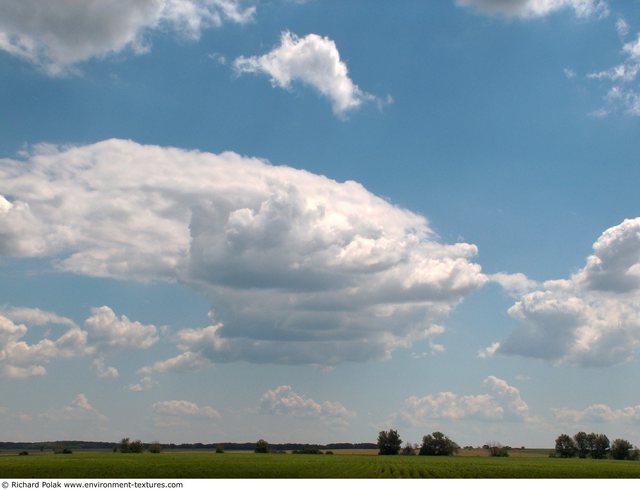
(229, 465)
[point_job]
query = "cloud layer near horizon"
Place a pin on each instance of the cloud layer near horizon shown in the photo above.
(298, 268)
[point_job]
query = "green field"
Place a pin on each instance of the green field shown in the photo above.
(229, 465)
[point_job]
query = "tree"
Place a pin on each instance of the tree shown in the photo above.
(155, 447)
(583, 444)
(389, 442)
(438, 444)
(600, 446)
(123, 446)
(565, 447)
(621, 449)
(262, 446)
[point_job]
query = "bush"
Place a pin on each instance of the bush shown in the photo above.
(307, 451)
(262, 446)
(24, 452)
(408, 449)
(154, 447)
(220, 448)
(438, 444)
(136, 446)
(496, 449)
(329, 452)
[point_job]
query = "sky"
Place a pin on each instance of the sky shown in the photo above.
(310, 221)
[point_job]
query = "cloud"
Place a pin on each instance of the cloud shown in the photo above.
(19, 359)
(623, 95)
(145, 384)
(592, 318)
(186, 361)
(58, 34)
(108, 332)
(36, 317)
(312, 60)
(284, 401)
(597, 413)
(489, 351)
(102, 370)
(104, 333)
(527, 9)
(622, 27)
(298, 268)
(503, 403)
(79, 410)
(185, 409)
(513, 283)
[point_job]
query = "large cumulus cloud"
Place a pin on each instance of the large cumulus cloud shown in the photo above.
(591, 318)
(298, 268)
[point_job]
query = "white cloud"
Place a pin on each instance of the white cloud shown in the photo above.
(185, 409)
(591, 319)
(19, 359)
(623, 95)
(102, 370)
(622, 27)
(79, 410)
(36, 317)
(312, 60)
(104, 333)
(298, 268)
(107, 332)
(597, 413)
(145, 384)
(569, 73)
(538, 8)
(503, 403)
(284, 401)
(513, 283)
(186, 361)
(489, 351)
(58, 34)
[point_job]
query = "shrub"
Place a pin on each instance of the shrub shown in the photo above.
(408, 449)
(329, 452)
(307, 451)
(24, 452)
(154, 447)
(262, 446)
(496, 449)
(136, 446)
(220, 448)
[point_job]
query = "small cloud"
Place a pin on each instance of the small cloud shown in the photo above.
(489, 351)
(103, 371)
(218, 58)
(314, 61)
(185, 409)
(622, 27)
(569, 73)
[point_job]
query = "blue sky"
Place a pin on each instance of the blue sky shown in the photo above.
(313, 220)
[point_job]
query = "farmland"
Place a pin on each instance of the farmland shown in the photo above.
(248, 465)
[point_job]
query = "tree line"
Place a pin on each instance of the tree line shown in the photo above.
(595, 446)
